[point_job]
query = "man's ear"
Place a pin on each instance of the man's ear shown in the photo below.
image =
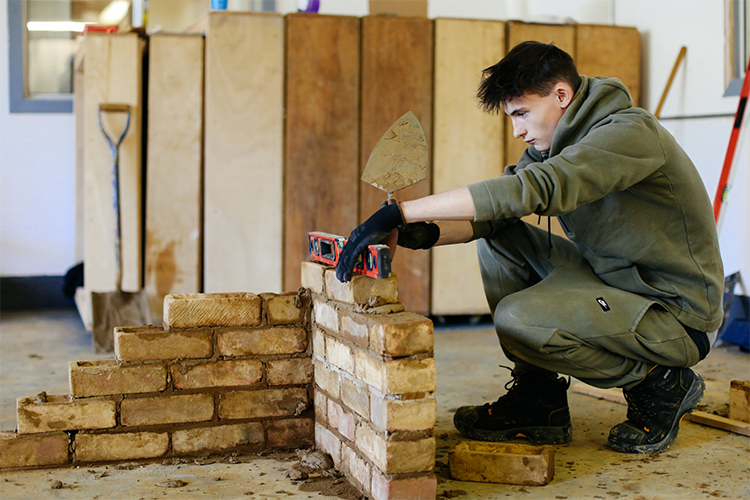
(564, 94)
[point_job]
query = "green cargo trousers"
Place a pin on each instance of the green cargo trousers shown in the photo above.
(552, 312)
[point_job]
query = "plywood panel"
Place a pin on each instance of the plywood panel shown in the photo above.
(112, 74)
(243, 152)
(610, 51)
(174, 196)
(397, 75)
(563, 36)
(322, 130)
(468, 147)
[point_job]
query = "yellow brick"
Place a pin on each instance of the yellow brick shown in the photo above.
(400, 334)
(291, 371)
(263, 403)
(153, 343)
(33, 450)
(396, 376)
(312, 276)
(211, 309)
(394, 415)
(167, 409)
(58, 413)
(291, 433)
(260, 341)
(122, 446)
(361, 289)
(502, 463)
(106, 377)
(396, 456)
(281, 309)
(230, 373)
(223, 437)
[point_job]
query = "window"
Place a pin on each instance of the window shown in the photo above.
(738, 44)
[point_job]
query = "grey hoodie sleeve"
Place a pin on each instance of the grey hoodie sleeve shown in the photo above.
(618, 152)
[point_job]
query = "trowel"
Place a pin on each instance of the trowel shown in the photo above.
(399, 159)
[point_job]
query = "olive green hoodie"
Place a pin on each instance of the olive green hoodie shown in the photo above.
(626, 194)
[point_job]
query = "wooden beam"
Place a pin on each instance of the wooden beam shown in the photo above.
(397, 76)
(244, 152)
(468, 147)
(322, 132)
(174, 196)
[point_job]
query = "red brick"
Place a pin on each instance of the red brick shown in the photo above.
(231, 373)
(145, 343)
(282, 309)
(506, 463)
(222, 437)
(193, 310)
(167, 409)
(291, 433)
(59, 413)
(260, 341)
(33, 450)
(411, 488)
(121, 446)
(106, 377)
(264, 403)
(291, 371)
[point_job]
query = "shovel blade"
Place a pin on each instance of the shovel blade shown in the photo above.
(399, 159)
(113, 309)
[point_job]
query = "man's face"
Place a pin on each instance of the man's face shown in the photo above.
(535, 117)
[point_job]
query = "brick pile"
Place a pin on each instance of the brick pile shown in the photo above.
(374, 381)
(226, 372)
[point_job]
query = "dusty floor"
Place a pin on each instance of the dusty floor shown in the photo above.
(704, 462)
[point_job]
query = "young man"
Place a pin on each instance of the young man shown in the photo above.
(626, 301)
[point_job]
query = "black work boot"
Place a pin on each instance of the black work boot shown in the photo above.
(655, 408)
(535, 407)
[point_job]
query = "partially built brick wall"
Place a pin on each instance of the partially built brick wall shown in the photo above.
(242, 372)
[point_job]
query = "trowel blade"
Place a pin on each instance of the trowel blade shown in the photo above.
(399, 159)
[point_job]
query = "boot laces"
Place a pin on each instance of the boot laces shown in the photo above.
(516, 396)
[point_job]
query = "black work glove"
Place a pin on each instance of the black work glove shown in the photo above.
(418, 235)
(373, 231)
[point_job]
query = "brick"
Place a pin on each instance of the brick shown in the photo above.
(122, 446)
(265, 403)
(395, 415)
(312, 276)
(400, 334)
(144, 343)
(59, 413)
(319, 343)
(355, 331)
(260, 341)
(326, 316)
(282, 309)
(291, 433)
(356, 469)
(222, 437)
(291, 371)
(396, 456)
(396, 376)
(739, 400)
(341, 420)
(327, 379)
(231, 373)
(505, 463)
(106, 377)
(33, 450)
(192, 310)
(340, 355)
(167, 409)
(361, 290)
(321, 406)
(356, 396)
(328, 442)
(410, 488)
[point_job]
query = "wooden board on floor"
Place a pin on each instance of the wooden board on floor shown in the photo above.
(613, 51)
(397, 75)
(174, 196)
(322, 132)
(112, 74)
(243, 152)
(468, 147)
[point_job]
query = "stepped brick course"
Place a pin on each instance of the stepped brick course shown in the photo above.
(337, 365)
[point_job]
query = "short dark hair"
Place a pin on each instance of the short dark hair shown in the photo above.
(529, 68)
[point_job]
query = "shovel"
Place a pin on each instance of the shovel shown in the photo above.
(398, 160)
(118, 308)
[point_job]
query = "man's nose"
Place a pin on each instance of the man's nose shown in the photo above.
(518, 131)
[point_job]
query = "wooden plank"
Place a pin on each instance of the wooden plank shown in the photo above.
(564, 37)
(112, 74)
(468, 147)
(613, 51)
(322, 132)
(397, 75)
(243, 152)
(723, 423)
(174, 195)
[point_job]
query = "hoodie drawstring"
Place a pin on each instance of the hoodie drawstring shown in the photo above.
(549, 234)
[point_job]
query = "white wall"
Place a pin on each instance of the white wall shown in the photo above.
(37, 170)
(37, 184)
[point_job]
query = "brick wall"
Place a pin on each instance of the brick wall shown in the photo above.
(240, 371)
(374, 381)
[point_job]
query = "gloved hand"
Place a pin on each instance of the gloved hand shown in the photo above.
(418, 235)
(373, 231)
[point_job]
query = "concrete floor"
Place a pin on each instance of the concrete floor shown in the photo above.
(704, 462)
